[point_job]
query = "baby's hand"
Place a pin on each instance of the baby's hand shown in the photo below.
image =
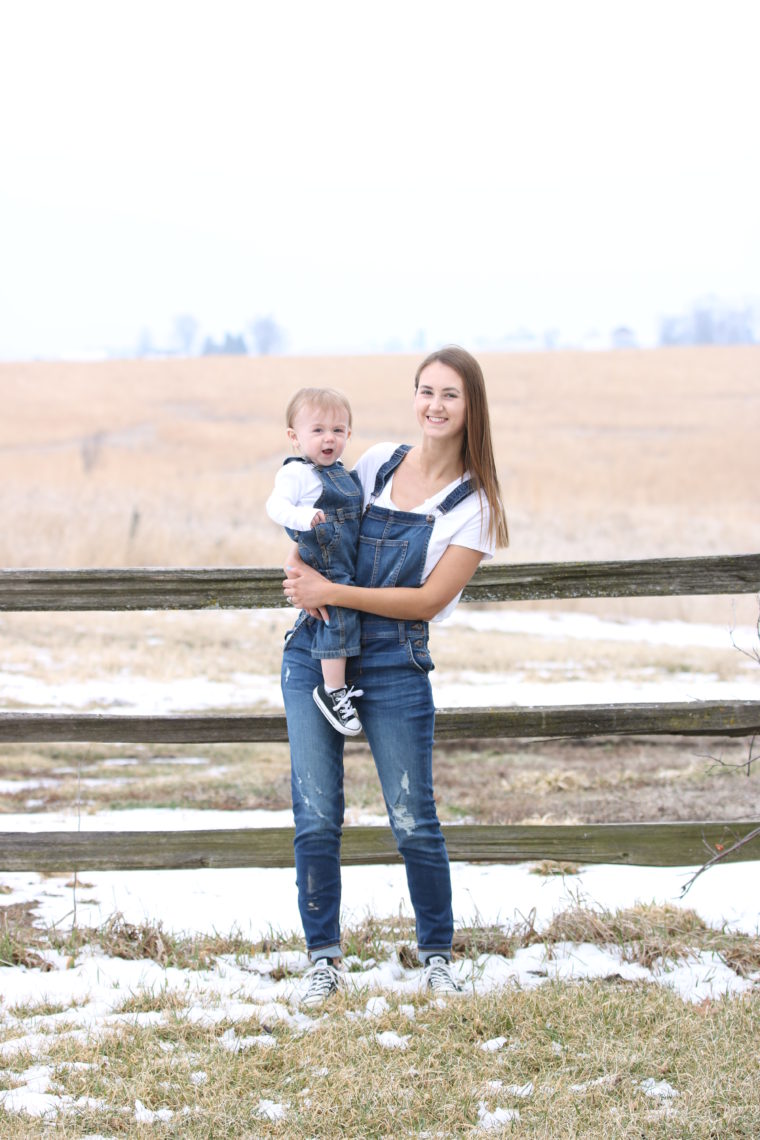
(318, 518)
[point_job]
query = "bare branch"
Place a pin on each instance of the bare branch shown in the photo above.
(746, 765)
(754, 653)
(720, 854)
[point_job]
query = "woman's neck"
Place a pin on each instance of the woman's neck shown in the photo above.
(426, 470)
(439, 460)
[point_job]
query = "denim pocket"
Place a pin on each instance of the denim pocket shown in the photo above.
(379, 562)
(327, 535)
(299, 622)
(343, 483)
(419, 655)
(308, 549)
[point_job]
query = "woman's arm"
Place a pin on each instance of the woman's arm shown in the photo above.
(310, 590)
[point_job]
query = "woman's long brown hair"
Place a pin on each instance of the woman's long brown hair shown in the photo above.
(477, 447)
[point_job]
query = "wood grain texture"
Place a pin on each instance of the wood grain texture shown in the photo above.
(691, 718)
(643, 844)
(147, 588)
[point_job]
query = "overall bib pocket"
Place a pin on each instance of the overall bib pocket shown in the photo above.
(380, 562)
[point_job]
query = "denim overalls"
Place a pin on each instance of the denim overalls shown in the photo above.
(330, 547)
(397, 714)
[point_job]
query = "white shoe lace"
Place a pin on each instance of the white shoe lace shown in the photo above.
(438, 977)
(343, 702)
(322, 980)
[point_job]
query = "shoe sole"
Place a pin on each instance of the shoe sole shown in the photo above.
(315, 1003)
(335, 724)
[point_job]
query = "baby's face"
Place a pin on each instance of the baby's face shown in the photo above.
(320, 434)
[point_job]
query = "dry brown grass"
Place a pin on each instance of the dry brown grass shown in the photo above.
(653, 933)
(511, 781)
(516, 781)
(19, 937)
(624, 454)
(646, 933)
(572, 1059)
(118, 938)
(550, 867)
(338, 1081)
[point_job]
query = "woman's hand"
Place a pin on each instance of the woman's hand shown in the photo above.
(305, 588)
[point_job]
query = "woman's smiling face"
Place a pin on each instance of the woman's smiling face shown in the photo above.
(439, 402)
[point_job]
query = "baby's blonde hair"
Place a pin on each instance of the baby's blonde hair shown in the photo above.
(324, 399)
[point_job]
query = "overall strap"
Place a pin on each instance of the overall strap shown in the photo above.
(387, 469)
(455, 497)
(294, 459)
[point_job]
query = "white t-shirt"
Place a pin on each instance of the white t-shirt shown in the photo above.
(296, 489)
(463, 525)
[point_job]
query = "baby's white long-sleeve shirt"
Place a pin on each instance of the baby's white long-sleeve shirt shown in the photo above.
(296, 489)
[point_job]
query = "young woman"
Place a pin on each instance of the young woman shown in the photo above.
(433, 512)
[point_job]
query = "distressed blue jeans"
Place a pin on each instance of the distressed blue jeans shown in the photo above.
(397, 714)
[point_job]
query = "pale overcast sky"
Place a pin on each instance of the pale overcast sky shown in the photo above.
(372, 175)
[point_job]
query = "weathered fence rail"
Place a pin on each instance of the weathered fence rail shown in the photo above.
(147, 588)
(645, 844)
(660, 844)
(693, 718)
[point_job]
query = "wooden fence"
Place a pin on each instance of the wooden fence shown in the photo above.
(658, 844)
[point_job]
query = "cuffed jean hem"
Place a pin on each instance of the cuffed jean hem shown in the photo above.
(330, 654)
(424, 955)
(333, 951)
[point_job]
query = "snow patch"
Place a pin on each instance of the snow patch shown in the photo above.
(493, 1121)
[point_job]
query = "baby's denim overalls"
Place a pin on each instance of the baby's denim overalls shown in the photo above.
(397, 714)
(330, 547)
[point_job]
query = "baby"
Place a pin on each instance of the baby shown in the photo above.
(319, 503)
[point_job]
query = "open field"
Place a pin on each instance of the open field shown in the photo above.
(168, 462)
(603, 1022)
(212, 660)
(621, 454)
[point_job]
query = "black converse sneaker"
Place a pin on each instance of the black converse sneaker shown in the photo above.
(321, 982)
(438, 978)
(338, 709)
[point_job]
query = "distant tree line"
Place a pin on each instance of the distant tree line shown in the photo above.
(231, 345)
(709, 322)
(262, 336)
